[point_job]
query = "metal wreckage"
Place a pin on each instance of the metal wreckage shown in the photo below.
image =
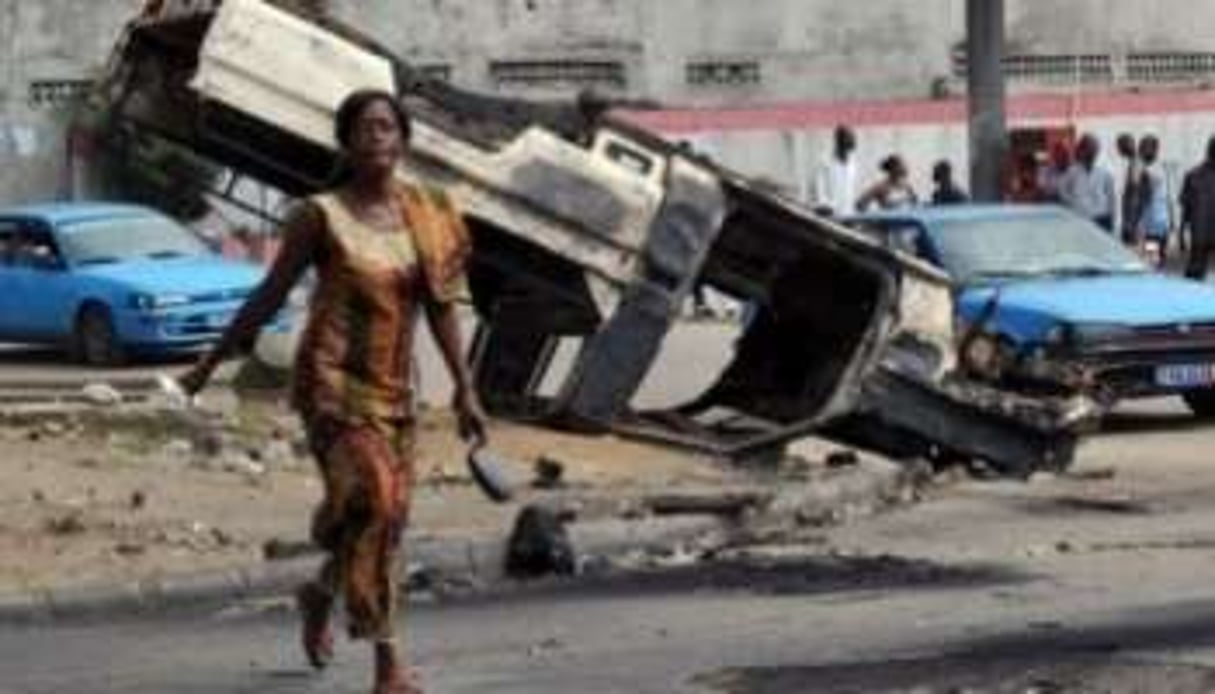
(588, 228)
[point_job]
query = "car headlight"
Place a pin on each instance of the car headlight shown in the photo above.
(152, 302)
(1057, 335)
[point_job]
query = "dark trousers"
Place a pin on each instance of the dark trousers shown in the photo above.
(1200, 257)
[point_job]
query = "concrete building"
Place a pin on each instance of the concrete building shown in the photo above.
(679, 53)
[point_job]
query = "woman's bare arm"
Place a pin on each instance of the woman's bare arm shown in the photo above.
(302, 233)
(444, 322)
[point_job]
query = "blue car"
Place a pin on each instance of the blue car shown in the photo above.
(113, 281)
(1049, 303)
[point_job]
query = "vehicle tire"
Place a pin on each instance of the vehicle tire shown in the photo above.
(1201, 402)
(95, 342)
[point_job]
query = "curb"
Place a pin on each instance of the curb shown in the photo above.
(476, 559)
(479, 559)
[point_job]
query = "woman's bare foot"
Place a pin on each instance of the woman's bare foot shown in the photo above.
(390, 676)
(315, 606)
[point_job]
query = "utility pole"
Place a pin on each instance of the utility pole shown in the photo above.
(988, 121)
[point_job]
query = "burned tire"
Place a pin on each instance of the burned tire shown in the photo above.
(1201, 402)
(94, 340)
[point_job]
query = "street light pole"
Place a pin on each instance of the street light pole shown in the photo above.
(988, 121)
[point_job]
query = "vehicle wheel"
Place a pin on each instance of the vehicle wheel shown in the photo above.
(95, 340)
(1201, 402)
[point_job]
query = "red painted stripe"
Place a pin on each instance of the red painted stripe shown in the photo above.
(1022, 107)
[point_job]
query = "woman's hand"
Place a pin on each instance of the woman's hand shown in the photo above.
(471, 421)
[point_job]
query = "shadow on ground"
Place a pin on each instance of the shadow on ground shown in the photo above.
(818, 575)
(1110, 658)
(1139, 422)
(1091, 674)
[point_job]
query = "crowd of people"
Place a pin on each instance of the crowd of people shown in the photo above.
(1137, 202)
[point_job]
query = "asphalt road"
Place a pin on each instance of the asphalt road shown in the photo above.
(1096, 582)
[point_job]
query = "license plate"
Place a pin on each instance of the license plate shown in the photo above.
(1185, 375)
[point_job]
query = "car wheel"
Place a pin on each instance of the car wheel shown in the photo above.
(96, 341)
(1201, 402)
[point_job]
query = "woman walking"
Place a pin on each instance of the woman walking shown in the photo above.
(383, 252)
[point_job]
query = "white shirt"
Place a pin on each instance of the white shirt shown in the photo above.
(835, 186)
(1090, 192)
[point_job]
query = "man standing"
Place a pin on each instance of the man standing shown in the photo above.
(1198, 214)
(835, 188)
(1132, 202)
(946, 191)
(1155, 217)
(1089, 189)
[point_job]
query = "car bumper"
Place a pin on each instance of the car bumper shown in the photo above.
(184, 328)
(1119, 377)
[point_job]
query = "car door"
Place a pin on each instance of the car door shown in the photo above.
(9, 315)
(41, 291)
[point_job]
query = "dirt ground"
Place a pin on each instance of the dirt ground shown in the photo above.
(98, 498)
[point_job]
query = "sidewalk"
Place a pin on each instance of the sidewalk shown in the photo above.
(112, 512)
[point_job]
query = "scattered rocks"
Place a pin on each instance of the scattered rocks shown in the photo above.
(539, 545)
(550, 473)
(101, 395)
(278, 549)
(130, 549)
(177, 450)
(842, 459)
(69, 524)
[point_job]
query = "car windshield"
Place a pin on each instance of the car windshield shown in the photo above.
(1062, 244)
(116, 239)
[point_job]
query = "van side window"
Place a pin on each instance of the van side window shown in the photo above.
(8, 241)
(34, 247)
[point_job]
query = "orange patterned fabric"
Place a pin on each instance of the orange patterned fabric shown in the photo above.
(352, 386)
(355, 356)
(368, 475)
(442, 240)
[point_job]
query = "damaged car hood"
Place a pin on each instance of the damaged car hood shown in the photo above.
(1028, 310)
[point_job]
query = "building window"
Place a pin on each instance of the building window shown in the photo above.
(559, 73)
(1049, 68)
(436, 71)
(1095, 68)
(54, 93)
(1170, 68)
(728, 73)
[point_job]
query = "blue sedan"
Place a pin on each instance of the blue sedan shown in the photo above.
(1049, 303)
(110, 281)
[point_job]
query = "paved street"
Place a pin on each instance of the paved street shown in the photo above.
(1100, 578)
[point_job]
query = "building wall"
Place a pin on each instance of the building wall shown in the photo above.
(785, 144)
(800, 50)
(48, 51)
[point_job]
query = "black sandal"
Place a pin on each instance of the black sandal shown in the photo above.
(315, 606)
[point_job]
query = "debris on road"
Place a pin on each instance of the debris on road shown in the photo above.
(539, 545)
(550, 473)
(102, 394)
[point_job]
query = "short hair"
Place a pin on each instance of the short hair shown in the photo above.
(353, 106)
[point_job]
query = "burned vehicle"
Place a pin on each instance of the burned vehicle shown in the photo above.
(592, 230)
